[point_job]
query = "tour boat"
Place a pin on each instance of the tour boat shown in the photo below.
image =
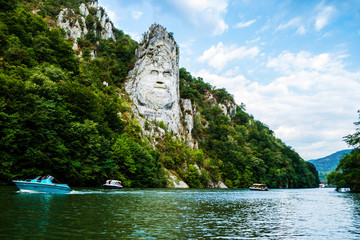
(112, 184)
(41, 184)
(259, 187)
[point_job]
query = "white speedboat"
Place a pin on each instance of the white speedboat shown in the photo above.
(112, 184)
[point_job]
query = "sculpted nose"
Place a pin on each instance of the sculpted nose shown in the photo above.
(160, 82)
(160, 79)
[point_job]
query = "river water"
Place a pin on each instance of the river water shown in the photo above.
(180, 214)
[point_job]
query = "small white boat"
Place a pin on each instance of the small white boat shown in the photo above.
(41, 184)
(112, 184)
(259, 187)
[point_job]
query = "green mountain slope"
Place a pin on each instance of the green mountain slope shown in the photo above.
(328, 164)
(58, 117)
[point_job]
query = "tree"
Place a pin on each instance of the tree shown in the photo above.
(354, 139)
(192, 177)
(347, 173)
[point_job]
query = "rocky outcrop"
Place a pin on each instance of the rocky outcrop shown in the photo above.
(175, 182)
(219, 184)
(228, 108)
(189, 112)
(75, 25)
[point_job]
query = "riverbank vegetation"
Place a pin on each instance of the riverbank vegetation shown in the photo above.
(347, 173)
(69, 116)
(242, 150)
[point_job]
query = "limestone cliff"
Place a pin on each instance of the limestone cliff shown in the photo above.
(79, 25)
(153, 85)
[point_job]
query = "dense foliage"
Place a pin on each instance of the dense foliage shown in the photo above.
(240, 150)
(56, 115)
(68, 116)
(347, 173)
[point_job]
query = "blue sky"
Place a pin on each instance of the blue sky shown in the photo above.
(294, 64)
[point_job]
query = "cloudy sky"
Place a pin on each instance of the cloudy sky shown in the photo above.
(294, 64)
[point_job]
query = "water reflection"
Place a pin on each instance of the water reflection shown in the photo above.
(181, 214)
(31, 214)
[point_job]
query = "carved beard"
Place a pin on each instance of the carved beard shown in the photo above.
(155, 87)
(156, 99)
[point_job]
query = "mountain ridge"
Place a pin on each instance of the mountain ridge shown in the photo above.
(327, 164)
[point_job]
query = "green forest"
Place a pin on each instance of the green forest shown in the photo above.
(347, 173)
(58, 118)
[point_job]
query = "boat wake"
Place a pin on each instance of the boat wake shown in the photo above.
(98, 191)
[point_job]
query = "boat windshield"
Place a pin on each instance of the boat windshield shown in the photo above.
(48, 177)
(113, 182)
(259, 185)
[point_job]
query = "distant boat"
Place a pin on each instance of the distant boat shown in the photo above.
(112, 184)
(41, 184)
(259, 187)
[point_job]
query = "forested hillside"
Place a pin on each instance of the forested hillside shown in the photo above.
(347, 173)
(328, 164)
(67, 114)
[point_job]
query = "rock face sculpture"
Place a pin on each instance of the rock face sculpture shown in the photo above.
(153, 84)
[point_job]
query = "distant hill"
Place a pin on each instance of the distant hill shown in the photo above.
(328, 164)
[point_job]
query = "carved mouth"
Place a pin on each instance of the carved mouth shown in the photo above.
(159, 85)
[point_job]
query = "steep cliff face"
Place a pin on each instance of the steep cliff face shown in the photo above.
(188, 112)
(91, 20)
(153, 84)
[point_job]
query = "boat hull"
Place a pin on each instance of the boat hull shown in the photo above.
(257, 189)
(109, 186)
(25, 186)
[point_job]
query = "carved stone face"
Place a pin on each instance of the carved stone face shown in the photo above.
(153, 84)
(156, 86)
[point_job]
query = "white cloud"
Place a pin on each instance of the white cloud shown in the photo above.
(218, 56)
(288, 62)
(296, 22)
(136, 14)
(310, 106)
(256, 40)
(293, 22)
(323, 17)
(221, 81)
(205, 12)
(112, 15)
(186, 47)
(244, 24)
(134, 35)
(301, 30)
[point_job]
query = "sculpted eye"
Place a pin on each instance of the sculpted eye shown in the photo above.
(167, 74)
(154, 73)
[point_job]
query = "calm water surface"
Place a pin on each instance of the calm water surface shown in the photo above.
(180, 214)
